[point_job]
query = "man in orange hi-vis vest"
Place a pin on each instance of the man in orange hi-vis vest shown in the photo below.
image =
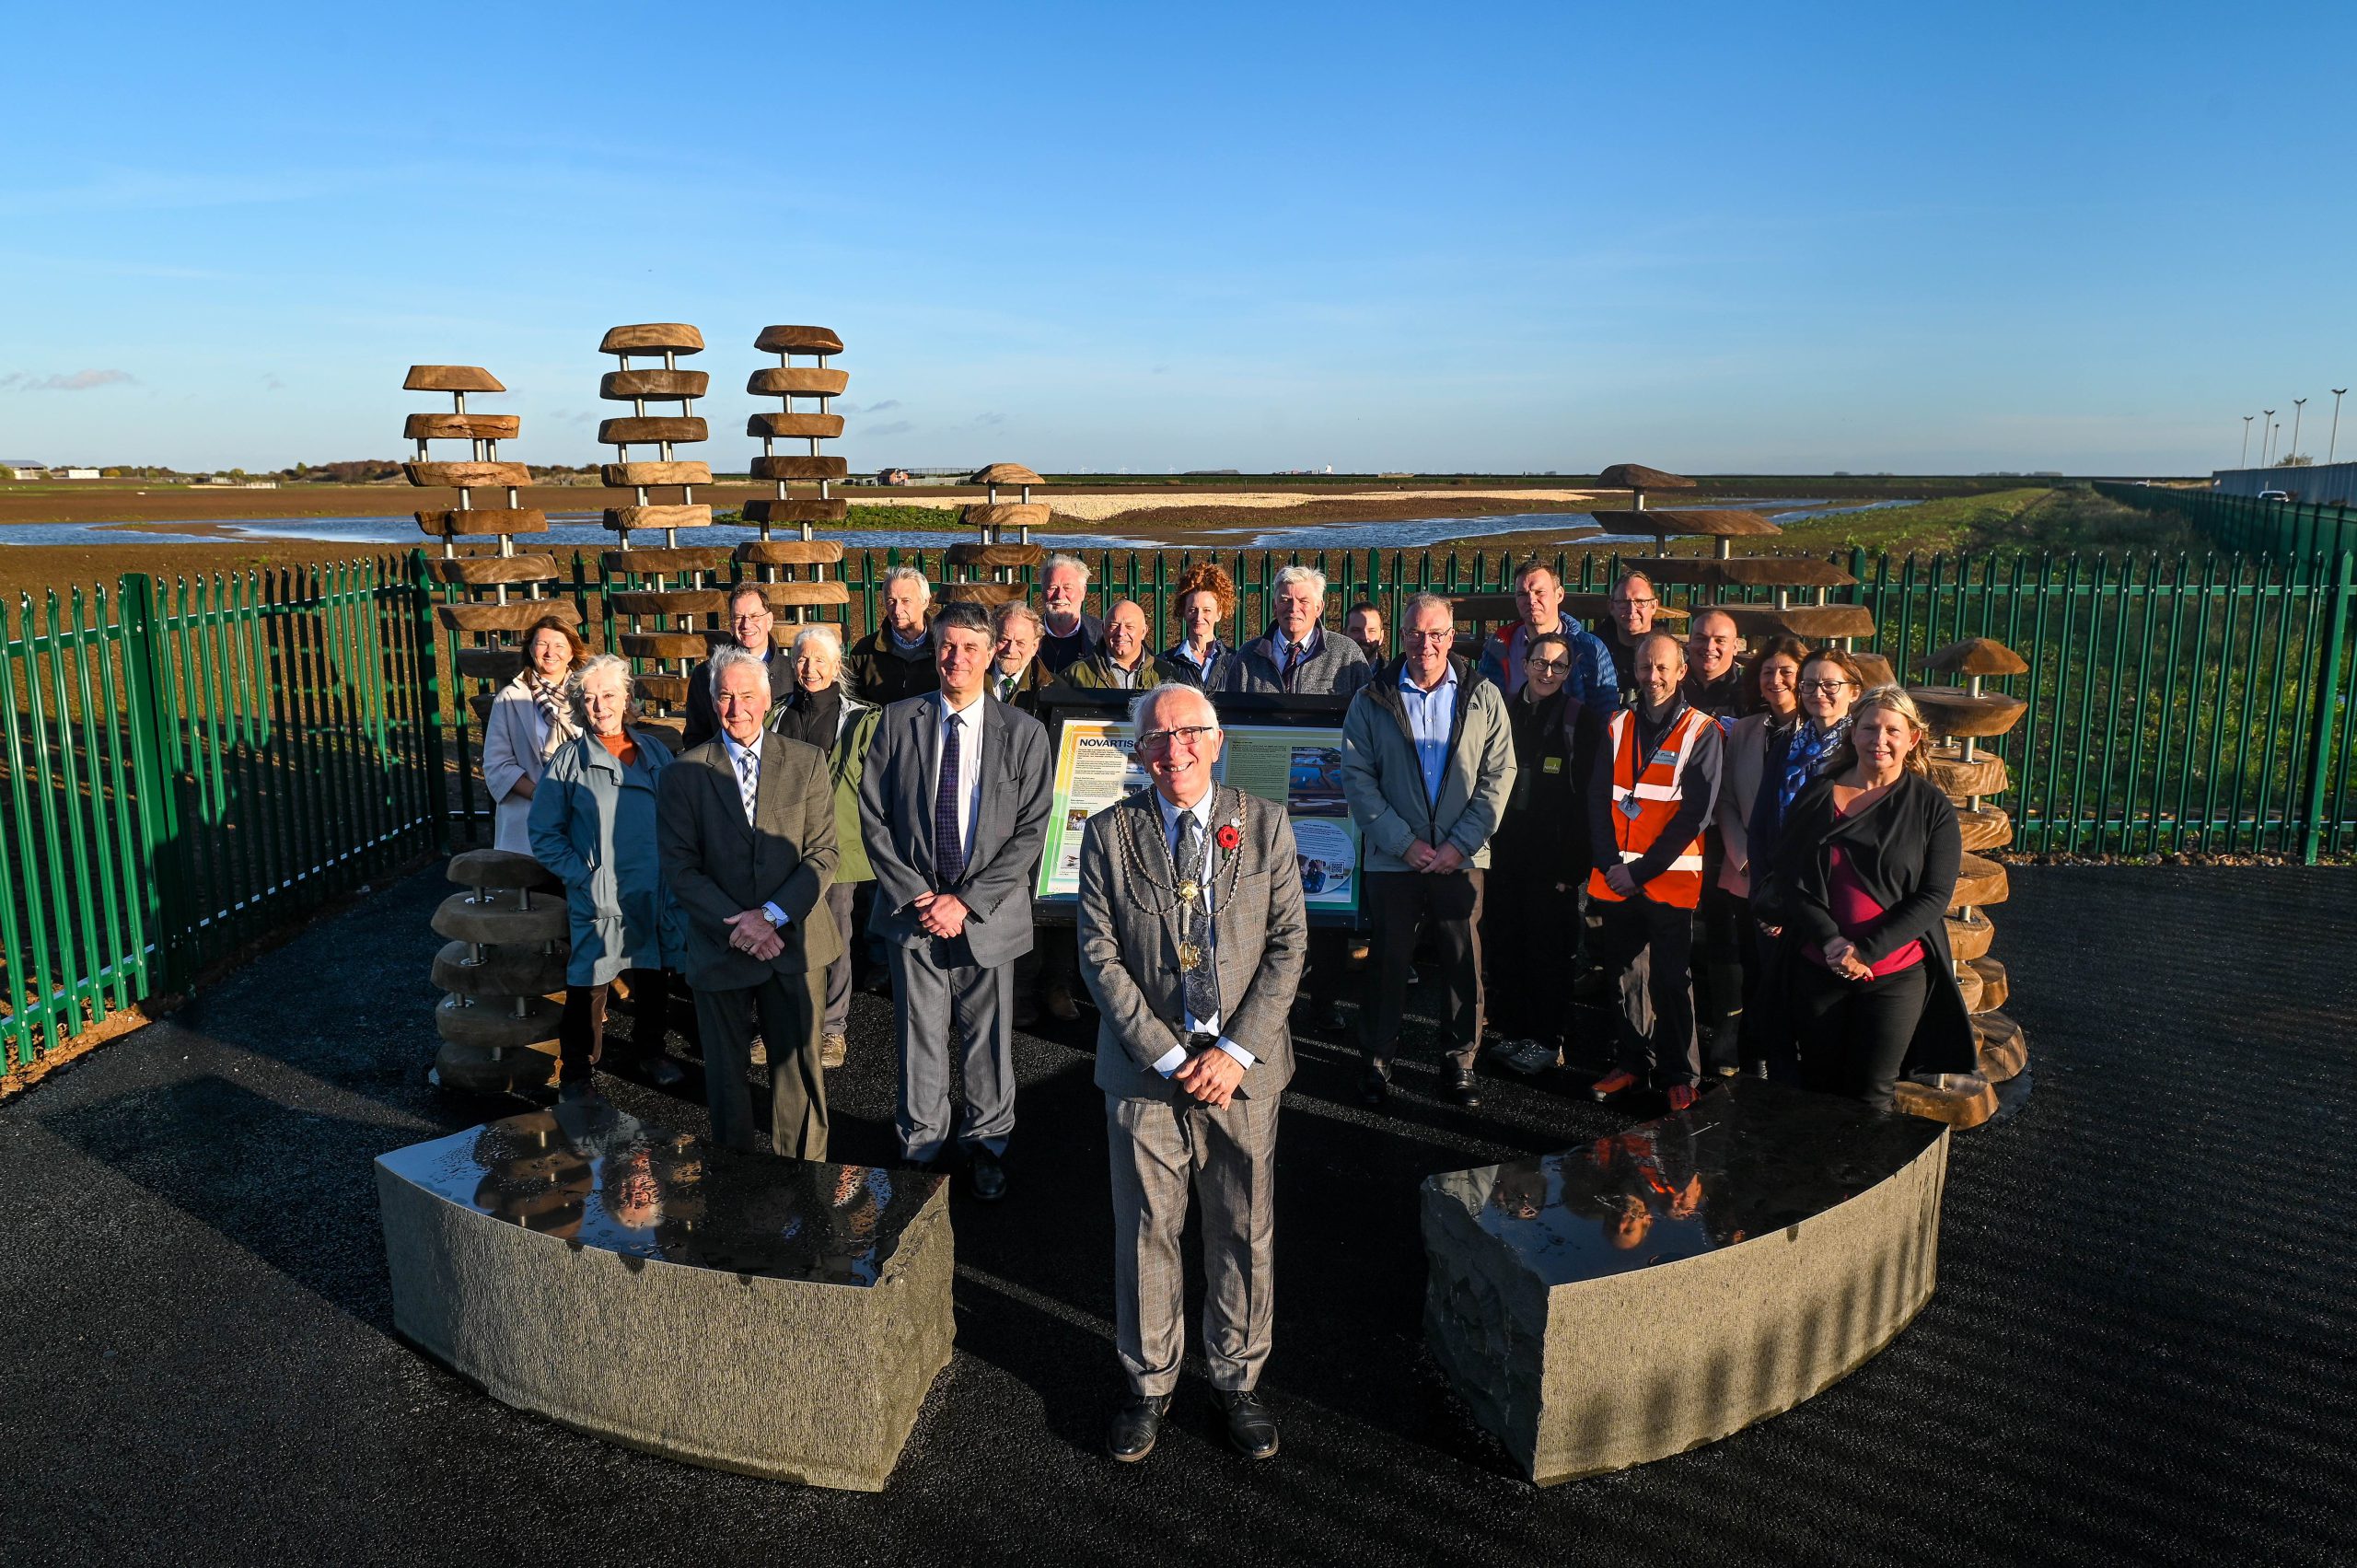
(1648, 802)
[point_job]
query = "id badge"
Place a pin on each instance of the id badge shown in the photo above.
(1632, 808)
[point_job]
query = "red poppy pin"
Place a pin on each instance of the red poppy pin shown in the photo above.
(1227, 837)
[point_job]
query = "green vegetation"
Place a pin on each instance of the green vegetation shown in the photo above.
(2064, 518)
(927, 518)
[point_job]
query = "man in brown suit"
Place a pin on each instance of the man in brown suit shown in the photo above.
(1192, 933)
(747, 828)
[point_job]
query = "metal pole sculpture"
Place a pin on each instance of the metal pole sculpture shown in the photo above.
(507, 950)
(1002, 546)
(674, 591)
(1960, 717)
(791, 599)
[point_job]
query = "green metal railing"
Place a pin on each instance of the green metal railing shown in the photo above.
(2179, 705)
(187, 767)
(2246, 523)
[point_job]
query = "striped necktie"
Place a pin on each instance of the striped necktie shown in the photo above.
(748, 777)
(948, 852)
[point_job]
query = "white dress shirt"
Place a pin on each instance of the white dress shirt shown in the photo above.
(1176, 1057)
(737, 755)
(969, 720)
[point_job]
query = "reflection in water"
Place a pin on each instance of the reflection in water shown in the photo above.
(1750, 1158)
(595, 1177)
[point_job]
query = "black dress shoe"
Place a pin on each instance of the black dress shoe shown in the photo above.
(1374, 1088)
(662, 1073)
(1463, 1088)
(1129, 1435)
(986, 1176)
(1250, 1428)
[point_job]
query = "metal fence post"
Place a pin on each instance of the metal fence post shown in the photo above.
(430, 683)
(166, 910)
(2326, 717)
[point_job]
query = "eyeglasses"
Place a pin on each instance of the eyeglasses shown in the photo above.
(753, 620)
(1634, 603)
(1417, 633)
(1554, 665)
(1826, 688)
(1160, 739)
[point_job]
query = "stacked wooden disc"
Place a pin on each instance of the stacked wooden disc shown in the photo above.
(1960, 717)
(989, 569)
(674, 593)
(1817, 624)
(506, 590)
(792, 570)
(503, 970)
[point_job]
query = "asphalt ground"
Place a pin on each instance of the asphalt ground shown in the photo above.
(2140, 1349)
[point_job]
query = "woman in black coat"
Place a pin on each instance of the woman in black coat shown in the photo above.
(1864, 987)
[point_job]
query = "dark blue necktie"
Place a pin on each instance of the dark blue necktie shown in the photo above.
(948, 854)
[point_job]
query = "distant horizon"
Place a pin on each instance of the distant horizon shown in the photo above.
(2014, 238)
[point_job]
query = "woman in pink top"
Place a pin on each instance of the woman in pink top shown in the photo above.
(1865, 988)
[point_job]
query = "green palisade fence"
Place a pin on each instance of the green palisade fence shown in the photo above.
(2246, 523)
(188, 767)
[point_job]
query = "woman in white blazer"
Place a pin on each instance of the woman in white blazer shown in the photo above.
(530, 718)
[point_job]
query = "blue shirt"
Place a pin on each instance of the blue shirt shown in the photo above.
(1429, 716)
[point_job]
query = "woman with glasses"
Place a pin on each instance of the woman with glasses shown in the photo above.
(1829, 683)
(1530, 917)
(1773, 695)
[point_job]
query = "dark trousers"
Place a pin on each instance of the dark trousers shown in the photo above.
(787, 1007)
(1855, 1034)
(1724, 949)
(841, 896)
(1529, 930)
(581, 1027)
(1448, 906)
(1650, 949)
(1329, 977)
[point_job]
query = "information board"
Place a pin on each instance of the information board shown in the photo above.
(1298, 766)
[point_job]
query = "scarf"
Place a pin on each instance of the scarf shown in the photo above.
(1810, 754)
(555, 711)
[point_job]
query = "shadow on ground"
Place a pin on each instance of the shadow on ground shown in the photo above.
(2138, 1349)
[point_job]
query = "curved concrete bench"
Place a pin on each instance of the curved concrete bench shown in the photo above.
(778, 1317)
(1663, 1287)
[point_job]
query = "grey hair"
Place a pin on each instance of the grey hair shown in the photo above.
(1016, 609)
(748, 589)
(732, 655)
(1417, 603)
(907, 574)
(822, 630)
(597, 663)
(1141, 705)
(1074, 562)
(1288, 575)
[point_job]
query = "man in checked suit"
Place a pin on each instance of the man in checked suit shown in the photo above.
(1192, 936)
(953, 807)
(746, 827)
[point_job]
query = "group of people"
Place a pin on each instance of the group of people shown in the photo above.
(1760, 830)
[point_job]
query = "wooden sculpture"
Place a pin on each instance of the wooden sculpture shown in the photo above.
(505, 591)
(502, 973)
(774, 562)
(674, 592)
(1959, 718)
(989, 568)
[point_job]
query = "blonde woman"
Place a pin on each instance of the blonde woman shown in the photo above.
(1865, 873)
(531, 719)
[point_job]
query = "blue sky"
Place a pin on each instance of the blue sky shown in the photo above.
(1721, 239)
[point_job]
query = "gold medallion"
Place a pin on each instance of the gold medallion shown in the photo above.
(1191, 958)
(1190, 890)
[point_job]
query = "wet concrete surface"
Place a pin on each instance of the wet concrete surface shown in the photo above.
(2138, 1350)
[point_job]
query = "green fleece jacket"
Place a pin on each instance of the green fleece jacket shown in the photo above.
(1385, 786)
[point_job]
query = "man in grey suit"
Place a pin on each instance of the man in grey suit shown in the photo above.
(1192, 935)
(746, 827)
(953, 808)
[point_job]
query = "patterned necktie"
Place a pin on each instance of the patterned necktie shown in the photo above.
(948, 854)
(1295, 653)
(749, 774)
(1197, 986)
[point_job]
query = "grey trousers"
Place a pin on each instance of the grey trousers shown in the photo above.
(839, 901)
(787, 1009)
(1160, 1151)
(935, 996)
